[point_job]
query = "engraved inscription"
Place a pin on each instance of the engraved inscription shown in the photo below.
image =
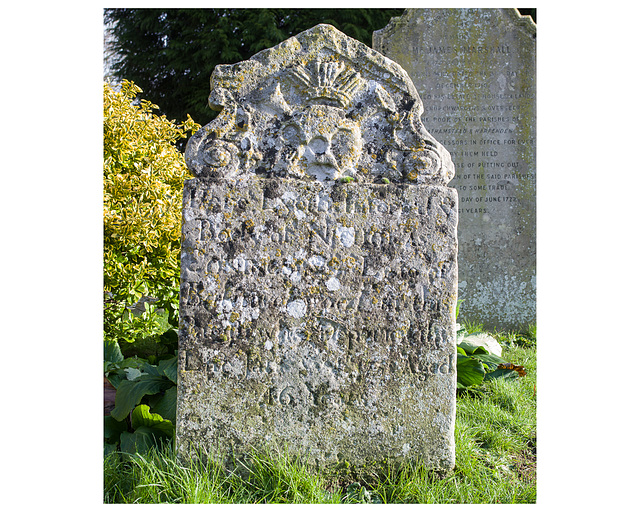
(327, 278)
(318, 262)
(478, 85)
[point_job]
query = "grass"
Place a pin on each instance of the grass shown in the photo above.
(495, 460)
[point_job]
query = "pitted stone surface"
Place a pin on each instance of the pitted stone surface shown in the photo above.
(318, 106)
(318, 313)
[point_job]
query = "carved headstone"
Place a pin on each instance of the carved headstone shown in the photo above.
(475, 70)
(319, 270)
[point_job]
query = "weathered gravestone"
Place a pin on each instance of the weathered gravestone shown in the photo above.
(475, 70)
(319, 269)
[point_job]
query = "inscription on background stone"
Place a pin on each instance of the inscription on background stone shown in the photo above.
(475, 70)
(319, 262)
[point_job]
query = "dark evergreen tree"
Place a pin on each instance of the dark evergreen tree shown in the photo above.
(171, 53)
(528, 12)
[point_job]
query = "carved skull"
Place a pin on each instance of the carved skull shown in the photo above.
(321, 142)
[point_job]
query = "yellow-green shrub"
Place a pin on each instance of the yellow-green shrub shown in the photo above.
(143, 179)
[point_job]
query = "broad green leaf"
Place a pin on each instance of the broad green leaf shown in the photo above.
(132, 362)
(113, 429)
(141, 417)
(130, 393)
(132, 373)
(501, 374)
(110, 448)
(166, 405)
(490, 359)
(472, 349)
(115, 377)
(141, 440)
(470, 371)
(112, 352)
(169, 368)
(136, 442)
(461, 351)
(151, 369)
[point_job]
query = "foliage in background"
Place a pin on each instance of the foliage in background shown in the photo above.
(496, 444)
(143, 181)
(528, 12)
(475, 364)
(143, 178)
(171, 53)
(145, 404)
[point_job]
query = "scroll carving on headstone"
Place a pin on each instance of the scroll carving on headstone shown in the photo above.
(315, 116)
(319, 262)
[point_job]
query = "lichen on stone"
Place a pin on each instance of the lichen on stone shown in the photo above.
(318, 106)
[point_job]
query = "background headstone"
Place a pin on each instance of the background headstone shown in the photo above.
(475, 70)
(319, 270)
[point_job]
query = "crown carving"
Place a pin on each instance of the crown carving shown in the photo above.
(328, 81)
